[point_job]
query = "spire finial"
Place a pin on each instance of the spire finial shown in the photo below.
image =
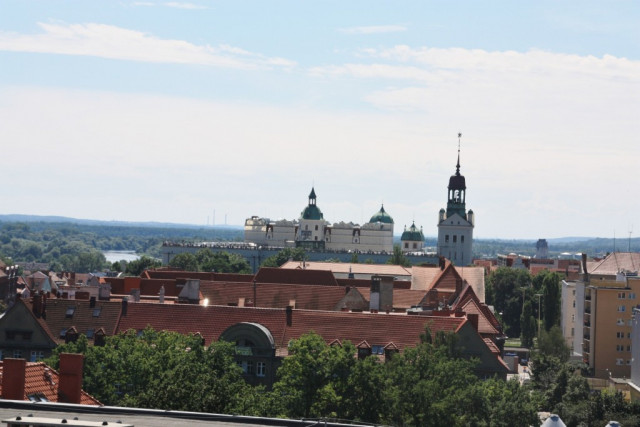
(458, 164)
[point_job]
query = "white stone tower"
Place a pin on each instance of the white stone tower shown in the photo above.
(455, 225)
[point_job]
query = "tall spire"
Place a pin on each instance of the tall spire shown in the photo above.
(458, 164)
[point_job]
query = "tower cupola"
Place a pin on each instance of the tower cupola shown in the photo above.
(456, 190)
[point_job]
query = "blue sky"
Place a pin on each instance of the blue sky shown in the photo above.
(169, 111)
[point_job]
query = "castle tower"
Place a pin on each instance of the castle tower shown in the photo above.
(455, 225)
(412, 239)
(310, 233)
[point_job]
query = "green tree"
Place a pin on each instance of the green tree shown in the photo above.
(286, 254)
(313, 379)
(398, 258)
(221, 262)
(163, 370)
(553, 343)
(186, 261)
(136, 267)
(551, 297)
(507, 289)
(527, 326)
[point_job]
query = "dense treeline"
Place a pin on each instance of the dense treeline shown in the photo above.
(521, 299)
(78, 247)
(428, 385)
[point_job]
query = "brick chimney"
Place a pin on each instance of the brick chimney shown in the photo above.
(13, 372)
(70, 385)
(289, 315)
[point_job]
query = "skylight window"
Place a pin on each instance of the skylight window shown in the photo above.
(96, 311)
(90, 333)
(70, 311)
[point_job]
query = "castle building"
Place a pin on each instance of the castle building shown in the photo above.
(455, 225)
(312, 231)
(412, 239)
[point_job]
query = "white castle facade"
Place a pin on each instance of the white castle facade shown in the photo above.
(312, 231)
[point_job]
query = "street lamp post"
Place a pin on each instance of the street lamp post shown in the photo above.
(538, 295)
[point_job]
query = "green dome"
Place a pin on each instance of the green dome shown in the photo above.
(381, 216)
(311, 212)
(412, 234)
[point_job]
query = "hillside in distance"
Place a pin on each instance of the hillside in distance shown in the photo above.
(486, 248)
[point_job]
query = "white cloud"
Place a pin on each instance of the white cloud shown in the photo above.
(374, 29)
(108, 41)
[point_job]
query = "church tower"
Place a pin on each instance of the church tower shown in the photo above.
(455, 225)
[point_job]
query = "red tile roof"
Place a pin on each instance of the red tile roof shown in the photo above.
(377, 329)
(273, 295)
(43, 381)
(294, 276)
(104, 315)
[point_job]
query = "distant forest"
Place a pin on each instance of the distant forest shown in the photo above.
(78, 244)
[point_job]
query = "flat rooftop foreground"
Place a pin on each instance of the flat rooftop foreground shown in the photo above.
(9, 409)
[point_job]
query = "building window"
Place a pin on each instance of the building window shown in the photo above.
(415, 246)
(621, 295)
(620, 322)
(461, 239)
(572, 332)
(446, 238)
(573, 317)
(69, 313)
(622, 308)
(10, 335)
(261, 370)
(619, 347)
(406, 245)
(17, 354)
(632, 295)
(316, 228)
(574, 303)
(619, 362)
(619, 335)
(455, 238)
(36, 355)
(628, 348)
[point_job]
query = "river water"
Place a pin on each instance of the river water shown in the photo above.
(113, 256)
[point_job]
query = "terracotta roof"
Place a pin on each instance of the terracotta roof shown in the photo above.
(377, 329)
(43, 381)
(475, 277)
(366, 283)
(179, 274)
(357, 269)
(422, 278)
(403, 299)
(299, 277)
(273, 295)
(616, 262)
(104, 315)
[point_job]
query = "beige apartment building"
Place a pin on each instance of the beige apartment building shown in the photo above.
(608, 321)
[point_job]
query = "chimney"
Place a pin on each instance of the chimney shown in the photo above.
(473, 318)
(441, 262)
(585, 273)
(13, 372)
(37, 304)
(125, 302)
(289, 315)
(70, 383)
(374, 295)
